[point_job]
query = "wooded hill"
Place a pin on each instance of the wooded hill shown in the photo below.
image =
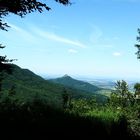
(27, 85)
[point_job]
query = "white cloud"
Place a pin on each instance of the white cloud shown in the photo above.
(35, 34)
(116, 54)
(72, 51)
(55, 37)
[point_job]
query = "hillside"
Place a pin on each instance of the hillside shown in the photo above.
(90, 89)
(77, 84)
(28, 85)
(30, 109)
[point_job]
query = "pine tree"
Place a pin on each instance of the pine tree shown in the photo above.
(138, 45)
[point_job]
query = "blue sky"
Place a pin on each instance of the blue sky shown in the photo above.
(93, 38)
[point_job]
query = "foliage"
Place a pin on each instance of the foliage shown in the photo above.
(121, 95)
(81, 106)
(137, 88)
(132, 114)
(86, 89)
(3, 59)
(29, 98)
(138, 45)
(86, 115)
(39, 117)
(89, 107)
(27, 84)
(22, 7)
(121, 88)
(66, 99)
(114, 100)
(125, 101)
(28, 102)
(3, 66)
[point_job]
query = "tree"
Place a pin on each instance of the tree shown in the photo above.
(12, 91)
(3, 66)
(3, 59)
(121, 93)
(121, 88)
(137, 90)
(138, 45)
(114, 99)
(66, 99)
(22, 7)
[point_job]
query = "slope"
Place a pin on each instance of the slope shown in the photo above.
(28, 86)
(76, 84)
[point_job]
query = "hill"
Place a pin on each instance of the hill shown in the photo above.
(35, 117)
(89, 89)
(68, 81)
(27, 86)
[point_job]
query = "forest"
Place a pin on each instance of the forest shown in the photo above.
(41, 109)
(33, 107)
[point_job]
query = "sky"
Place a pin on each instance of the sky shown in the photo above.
(93, 38)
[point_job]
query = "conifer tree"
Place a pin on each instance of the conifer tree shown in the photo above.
(138, 45)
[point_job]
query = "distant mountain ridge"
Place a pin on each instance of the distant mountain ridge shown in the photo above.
(29, 85)
(68, 81)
